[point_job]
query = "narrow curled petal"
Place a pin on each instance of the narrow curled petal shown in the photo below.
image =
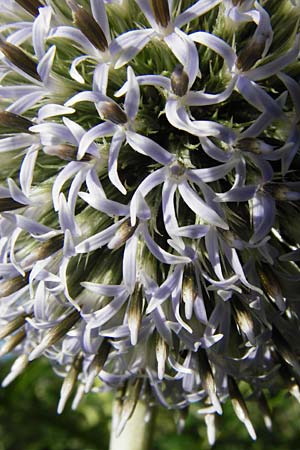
(199, 207)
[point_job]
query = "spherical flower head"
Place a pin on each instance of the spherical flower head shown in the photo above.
(149, 197)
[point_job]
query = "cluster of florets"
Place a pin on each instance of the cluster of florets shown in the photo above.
(149, 197)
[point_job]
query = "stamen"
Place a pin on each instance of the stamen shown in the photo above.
(161, 12)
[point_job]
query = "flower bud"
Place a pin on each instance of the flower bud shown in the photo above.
(179, 81)
(189, 290)
(123, 233)
(161, 12)
(240, 407)
(9, 204)
(97, 363)
(253, 145)
(55, 334)
(16, 369)
(19, 58)
(12, 326)
(12, 285)
(265, 410)
(129, 403)
(111, 111)
(244, 320)
(161, 352)
(66, 152)
(271, 286)
(10, 123)
(12, 342)
(285, 350)
(69, 383)
(249, 55)
(282, 192)
(31, 6)
(88, 26)
(207, 380)
(44, 250)
(135, 311)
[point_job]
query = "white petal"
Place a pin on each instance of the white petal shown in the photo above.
(199, 207)
(196, 10)
(115, 146)
(146, 146)
(132, 99)
(186, 52)
(45, 65)
(129, 263)
(217, 45)
(104, 129)
(128, 44)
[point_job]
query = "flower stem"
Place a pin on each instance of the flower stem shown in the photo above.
(138, 431)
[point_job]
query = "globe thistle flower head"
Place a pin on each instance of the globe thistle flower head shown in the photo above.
(149, 200)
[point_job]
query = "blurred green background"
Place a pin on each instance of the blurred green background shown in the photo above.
(28, 421)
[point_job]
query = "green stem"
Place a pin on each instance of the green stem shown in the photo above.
(137, 433)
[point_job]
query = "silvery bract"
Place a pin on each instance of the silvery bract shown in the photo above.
(149, 198)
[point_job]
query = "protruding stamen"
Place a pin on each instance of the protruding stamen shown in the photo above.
(112, 111)
(10, 122)
(19, 58)
(12, 342)
(240, 407)
(179, 81)
(88, 26)
(69, 383)
(55, 334)
(31, 6)
(123, 233)
(135, 312)
(161, 12)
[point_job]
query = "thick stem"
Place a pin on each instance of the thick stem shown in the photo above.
(137, 433)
